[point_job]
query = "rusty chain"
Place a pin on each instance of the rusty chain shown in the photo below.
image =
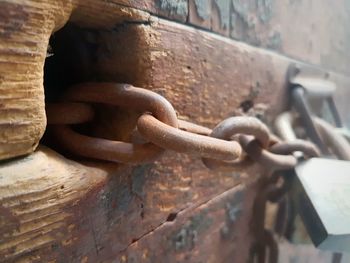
(231, 143)
(235, 143)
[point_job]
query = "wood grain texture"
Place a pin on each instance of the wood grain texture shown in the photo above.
(306, 30)
(25, 31)
(172, 9)
(206, 77)
(26, 28)
(56, 210)
(39, 199)
(205, 83)
(216, 231)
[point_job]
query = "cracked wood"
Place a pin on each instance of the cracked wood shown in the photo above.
(56, 209)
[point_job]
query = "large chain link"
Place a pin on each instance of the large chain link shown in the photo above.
(235, 143)
(228, 144)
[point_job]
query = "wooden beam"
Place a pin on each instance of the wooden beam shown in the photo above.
(28, 26)
(216, 231)
(304, 30)
(100, 211)
(55, 209)
(25, 30)
(205, 76)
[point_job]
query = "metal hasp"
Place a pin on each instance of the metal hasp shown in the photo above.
(322, 192)
(310, 86)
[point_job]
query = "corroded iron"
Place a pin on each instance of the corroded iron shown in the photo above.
(242, 125)
(289, 147)
(159, 129)
(318, 205)
(257, 145)
(102, 149)
(193, 128)
(119, 95)
(69, 113)
(124, 95)
(177, 140)
(267, 159)
(234, 126)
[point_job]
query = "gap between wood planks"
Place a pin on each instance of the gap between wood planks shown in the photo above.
(173, 216)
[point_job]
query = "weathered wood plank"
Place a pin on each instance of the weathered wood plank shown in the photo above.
(153, 56)
(321, 38)
(55, 209)
(172, 9)
(25, 31)
(26, 28)
(179, 61)
(115, 210)
(309, 31)
(216, 231)
(41, 202)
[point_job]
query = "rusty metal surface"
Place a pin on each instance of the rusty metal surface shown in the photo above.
(242, 125)
(311, 90)
(256, 146)
(182, 141)
(289, 147)
(69, 113)
(250, 132)
(284, 126)
(124, 95)
(102, 149)
(264, 157)
(224, 143)
(193, 128)
(265, 247)
(120, 95)
(230, 127)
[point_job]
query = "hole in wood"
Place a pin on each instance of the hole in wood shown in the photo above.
(171, 217)
(72, 53)
(79, 55)
(70, 57)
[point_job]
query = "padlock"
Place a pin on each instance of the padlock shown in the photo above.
(321, 191)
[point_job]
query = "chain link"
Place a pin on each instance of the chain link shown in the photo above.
(235, 143)
(121, 95)
(159, 127)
